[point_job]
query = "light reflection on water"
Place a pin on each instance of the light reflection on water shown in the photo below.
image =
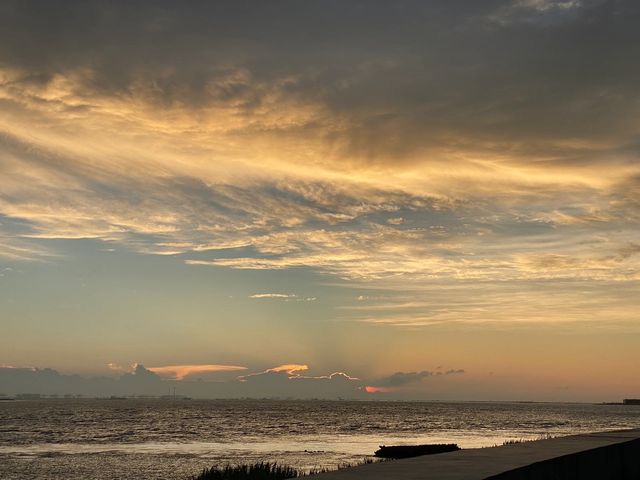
(92, 439)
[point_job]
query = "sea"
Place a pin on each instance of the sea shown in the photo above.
(129, 439)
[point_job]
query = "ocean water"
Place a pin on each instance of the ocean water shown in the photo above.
(174, 439)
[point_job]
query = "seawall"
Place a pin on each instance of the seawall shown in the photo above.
(596, 456)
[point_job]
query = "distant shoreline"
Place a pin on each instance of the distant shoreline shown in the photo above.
(36, 397)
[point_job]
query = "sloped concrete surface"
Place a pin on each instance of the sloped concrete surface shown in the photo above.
(603, 455)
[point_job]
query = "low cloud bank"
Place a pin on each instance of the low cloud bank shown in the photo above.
(283, 381)
(399, 380)
(180, 372)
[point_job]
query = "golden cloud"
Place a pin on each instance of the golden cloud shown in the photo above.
(290, 368)
(384, 170)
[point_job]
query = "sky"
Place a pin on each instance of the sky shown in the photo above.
(379, 191)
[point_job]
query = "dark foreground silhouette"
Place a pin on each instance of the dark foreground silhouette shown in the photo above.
(273, 471)
(261, 471)
(407, 451)
(258, 471)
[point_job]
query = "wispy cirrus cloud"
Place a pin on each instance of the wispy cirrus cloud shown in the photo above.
(287, 297)
(378, 165)
(19, 249)
(272, 295)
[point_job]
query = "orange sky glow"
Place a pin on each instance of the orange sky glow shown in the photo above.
(450, 209)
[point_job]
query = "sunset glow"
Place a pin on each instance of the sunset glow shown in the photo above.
(440, 201)
(370, 389)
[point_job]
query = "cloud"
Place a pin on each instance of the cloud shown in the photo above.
(398, 380)
(628, 251)
(272, 295)
(551, 301)
(540, 12)
(282, 381)
(180, 372)
(289, 369)
(290, 380)
(15, 248)
(287, 297)
(371, 389)
(335, 110)
(119, 368)
(369, 155)
(4, 365)
(50, 382)
(402, 378)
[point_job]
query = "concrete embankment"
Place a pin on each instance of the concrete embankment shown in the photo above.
(597, 456)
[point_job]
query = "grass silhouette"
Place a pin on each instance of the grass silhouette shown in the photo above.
(263, 471)
(258, 471)
(515, 441)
